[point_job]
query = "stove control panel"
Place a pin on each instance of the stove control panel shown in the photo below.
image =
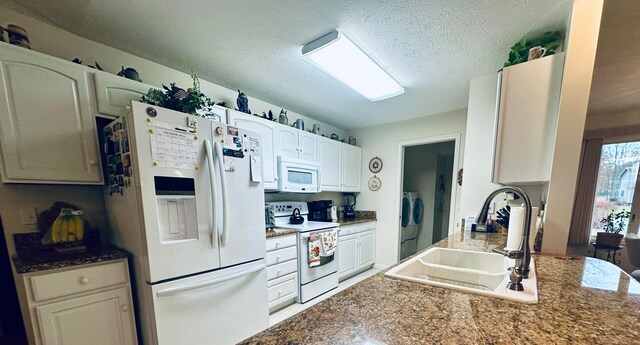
(285, 208)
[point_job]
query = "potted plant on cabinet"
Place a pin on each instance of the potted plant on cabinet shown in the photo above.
(613, 224)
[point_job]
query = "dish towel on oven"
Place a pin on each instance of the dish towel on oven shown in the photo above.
(328, 243)
(314, 250)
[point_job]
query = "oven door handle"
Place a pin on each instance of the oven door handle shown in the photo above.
(304, 237)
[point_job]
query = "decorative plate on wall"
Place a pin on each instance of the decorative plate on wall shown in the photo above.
(375, 183)
(375, 165)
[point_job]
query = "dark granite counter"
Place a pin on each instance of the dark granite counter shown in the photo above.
(361, 217)
(581, 301)
(32, 256)
(46, 259)
(275, 232)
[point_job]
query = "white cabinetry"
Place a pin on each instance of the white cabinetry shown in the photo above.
(294, 143)
(527, 115)
(340, 166)
(267, 131)
(114, 93)
(48, 133)
(87, 304)
(356, 248)
(282, 270)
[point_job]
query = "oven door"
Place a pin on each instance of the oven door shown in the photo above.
(327, 267)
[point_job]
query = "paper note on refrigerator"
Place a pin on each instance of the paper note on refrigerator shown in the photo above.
(171, 149)
(256, 168)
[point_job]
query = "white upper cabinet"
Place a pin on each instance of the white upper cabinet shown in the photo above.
(308, 146)
(330, 152)
(48, 133)
(351, 168)
(340, 166)
(267, 131)
(114, 93)
(287, 143)
(294, 143)
(527, 115)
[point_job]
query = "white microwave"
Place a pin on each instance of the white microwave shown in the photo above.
(298, 176)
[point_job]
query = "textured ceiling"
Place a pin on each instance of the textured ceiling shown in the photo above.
(616, 76)
(433, 48)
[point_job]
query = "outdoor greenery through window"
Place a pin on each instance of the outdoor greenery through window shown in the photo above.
(617, 177)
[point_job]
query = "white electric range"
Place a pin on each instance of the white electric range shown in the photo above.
(312, 281)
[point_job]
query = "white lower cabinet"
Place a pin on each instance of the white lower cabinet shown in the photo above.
(85, 304)
(356, 249)
(102, 318)
(282, 271)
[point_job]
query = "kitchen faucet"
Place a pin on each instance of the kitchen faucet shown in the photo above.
(523, 254)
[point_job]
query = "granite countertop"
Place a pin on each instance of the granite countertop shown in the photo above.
(275, 232)
(361, 217)
(46, 259)
(581, 301)
(33, 256)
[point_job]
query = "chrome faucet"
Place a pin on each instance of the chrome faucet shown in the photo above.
(523, 254)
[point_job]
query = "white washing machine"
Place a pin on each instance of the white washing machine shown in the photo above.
(417, 208)
(412, 211)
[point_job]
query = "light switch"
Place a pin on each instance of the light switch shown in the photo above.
(29, 215)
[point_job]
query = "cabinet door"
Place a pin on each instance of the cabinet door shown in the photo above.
(367, 249)
(104, 318)
(351, 165)
(48, 131)
(267, 131)
(330, 152)
(114, 93)
(308, 145)
(526, 123)
(347, 255)
(288, 142)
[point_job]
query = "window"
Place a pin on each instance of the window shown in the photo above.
(617, 176)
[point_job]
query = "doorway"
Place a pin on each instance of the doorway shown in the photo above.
(428, 193)
(11, 327)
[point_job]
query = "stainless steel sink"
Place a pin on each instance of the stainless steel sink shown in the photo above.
(463, 270)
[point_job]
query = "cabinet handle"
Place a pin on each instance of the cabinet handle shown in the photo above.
(85, 280)
(279, 293)
(277, 244)
(277, 258)
(124, 308)
(278, 272)
(92, 162)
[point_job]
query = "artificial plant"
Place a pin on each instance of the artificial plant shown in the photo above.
(519, 52)
(178, 99)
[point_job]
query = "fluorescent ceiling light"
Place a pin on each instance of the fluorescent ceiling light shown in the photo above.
(335, 54)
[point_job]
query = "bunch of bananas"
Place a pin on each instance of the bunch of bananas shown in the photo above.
(68, 227)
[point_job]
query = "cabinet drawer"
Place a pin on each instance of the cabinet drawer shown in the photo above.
(70, 282)
(284, 287)
(282, 269)
(281, 242)
(356, 228)
(282, 255)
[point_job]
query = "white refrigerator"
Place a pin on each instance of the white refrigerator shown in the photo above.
(184, 196)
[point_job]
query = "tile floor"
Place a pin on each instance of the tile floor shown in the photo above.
(295, 308)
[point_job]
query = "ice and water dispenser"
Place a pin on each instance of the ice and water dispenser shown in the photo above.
(176, 202)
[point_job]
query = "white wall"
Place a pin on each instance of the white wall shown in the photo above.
(582, 40)
(54, 41)
(383, 141)
(420, 175)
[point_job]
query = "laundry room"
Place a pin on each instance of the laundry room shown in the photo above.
(426, 198)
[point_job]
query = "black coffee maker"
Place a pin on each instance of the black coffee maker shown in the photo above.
(349, 206)
(320, 211)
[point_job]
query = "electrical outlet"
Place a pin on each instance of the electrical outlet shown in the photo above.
(29, 215)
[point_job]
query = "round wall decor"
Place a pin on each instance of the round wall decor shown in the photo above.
(375, 165)
(375, 183)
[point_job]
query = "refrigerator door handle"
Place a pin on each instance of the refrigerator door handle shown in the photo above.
(214, 190)
(200, 285)
(223, 180)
